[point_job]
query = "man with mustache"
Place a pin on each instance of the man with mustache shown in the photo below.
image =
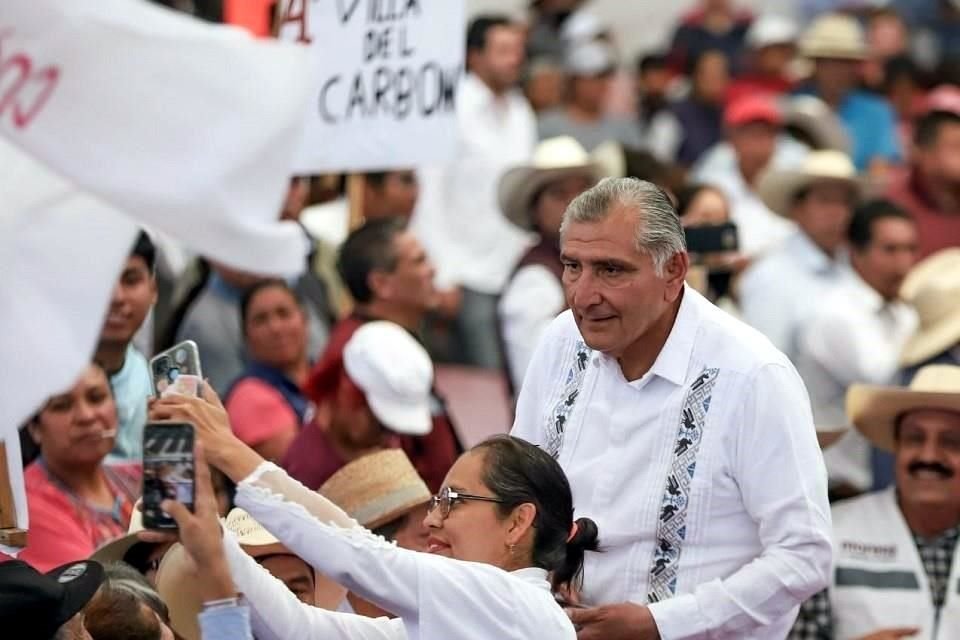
(895, 561)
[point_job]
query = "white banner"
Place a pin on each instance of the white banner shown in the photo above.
(385, 79)
(115, 114)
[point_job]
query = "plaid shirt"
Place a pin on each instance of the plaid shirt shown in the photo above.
(815, 621)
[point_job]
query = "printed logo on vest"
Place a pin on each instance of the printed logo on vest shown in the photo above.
(868, 551)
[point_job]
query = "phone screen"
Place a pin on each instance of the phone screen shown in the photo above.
(177, 370)
(168, 471)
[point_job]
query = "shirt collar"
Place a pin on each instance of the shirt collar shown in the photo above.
(867, 294)
(808, 253)
(533, 575)
(674, 358)
(481, 95)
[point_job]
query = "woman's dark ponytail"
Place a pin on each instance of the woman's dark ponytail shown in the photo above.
(570, 572)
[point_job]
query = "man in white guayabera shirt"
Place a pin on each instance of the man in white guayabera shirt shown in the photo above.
(685, 434)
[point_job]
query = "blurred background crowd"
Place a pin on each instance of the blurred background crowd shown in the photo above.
(813, 151)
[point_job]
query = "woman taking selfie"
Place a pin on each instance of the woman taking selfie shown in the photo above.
(501, 524)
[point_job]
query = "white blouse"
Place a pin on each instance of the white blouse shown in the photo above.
(433, 596)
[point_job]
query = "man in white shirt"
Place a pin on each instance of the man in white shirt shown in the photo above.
(895, 551)
(384, 194)
(779, 290)
(856, 333)
(685, 435)
(534, 198)
(457, 217)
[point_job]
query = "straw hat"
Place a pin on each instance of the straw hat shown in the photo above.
(178, 586)
(933, 288)
(834, 36)
(116, 549)
(553, 159)
(813, 117)
(778, 188)
(377, 488)
(874, 409)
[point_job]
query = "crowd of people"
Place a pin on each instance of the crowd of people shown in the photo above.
(720, 288)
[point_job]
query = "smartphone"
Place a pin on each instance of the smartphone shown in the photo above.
(168, 470)
(718, 238)
(177, 370)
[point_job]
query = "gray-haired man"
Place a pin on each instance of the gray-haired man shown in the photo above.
(685, 434)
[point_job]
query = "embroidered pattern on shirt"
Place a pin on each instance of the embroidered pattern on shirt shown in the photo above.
(671, 524)
(557, 420)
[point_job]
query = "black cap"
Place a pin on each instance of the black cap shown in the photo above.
(36, 605)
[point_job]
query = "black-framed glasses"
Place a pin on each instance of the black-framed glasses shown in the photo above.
(448, 497)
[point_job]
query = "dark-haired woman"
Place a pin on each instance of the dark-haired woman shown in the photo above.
(75, 502)
(501, 525)
(266, 406)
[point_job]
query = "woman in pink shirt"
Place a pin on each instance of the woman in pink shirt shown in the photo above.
(266, 405)
(74, 501)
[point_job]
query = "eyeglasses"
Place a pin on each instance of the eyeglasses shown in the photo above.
(447, 498)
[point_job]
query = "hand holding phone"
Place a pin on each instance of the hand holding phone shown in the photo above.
(198, 530)
(168, 470)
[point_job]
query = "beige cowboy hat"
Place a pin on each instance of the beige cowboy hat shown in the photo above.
(377, 488)
(177, 582)
(874, 410)
(933, 288)
(116, 549)
(778, 188)
(179, 588)
(834, 36)
(553, 159)
(815, 122)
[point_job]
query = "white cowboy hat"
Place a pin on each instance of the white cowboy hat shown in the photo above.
(778, 188)
(933, 288)
(834, 36)
(874, 410)
(553, 159)
(813, 118)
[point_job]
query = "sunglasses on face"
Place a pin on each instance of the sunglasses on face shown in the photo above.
(448, 497)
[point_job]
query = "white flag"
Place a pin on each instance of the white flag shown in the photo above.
(188, 128)
(141, 116)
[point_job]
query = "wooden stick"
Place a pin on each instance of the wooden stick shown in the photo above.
(355, 189)
(9, 534)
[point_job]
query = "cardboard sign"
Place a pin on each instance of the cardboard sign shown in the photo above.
(385, 79)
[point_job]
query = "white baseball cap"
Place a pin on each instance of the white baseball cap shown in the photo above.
(395, 374)
(772, 29)
(590, 59)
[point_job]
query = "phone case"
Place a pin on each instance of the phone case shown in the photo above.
(168, 471)
(176, 371)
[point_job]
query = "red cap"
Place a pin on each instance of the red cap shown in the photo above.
(753, 108)
(944, 98)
